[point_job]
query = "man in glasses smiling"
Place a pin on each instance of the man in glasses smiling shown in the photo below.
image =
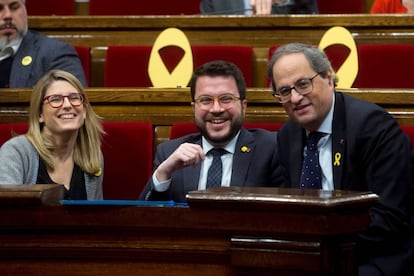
(354, 145)
(243, 157)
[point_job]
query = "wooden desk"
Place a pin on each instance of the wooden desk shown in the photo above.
(260, 32)
(230, 231)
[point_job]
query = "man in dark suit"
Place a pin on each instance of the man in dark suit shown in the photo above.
(362, 148)
(219, 104)
(259, 7)
(25, 56)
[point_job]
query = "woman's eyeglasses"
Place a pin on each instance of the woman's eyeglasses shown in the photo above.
(56, 100)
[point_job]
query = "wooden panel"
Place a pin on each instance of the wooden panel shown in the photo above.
(163, 107)
(194, 240)
(28, 195)
(258, 32)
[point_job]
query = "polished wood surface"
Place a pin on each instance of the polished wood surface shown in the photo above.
(202, 239)
(28, 195)
(163, 107)
(259, 32)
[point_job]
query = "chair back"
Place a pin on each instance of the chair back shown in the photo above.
(10, 130)
(128, 155)
(385, 66)
(127, 66)
(84, 53)
(136, 7)
(339, 7)
(50, 7)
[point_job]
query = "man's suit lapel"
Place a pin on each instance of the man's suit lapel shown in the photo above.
(297, 143)
(23, 61)
(338, 140)
(243, 154)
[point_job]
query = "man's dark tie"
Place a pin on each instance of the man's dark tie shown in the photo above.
(311, 177)
(215, 172)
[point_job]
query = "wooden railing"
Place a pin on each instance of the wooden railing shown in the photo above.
(163, 107)
(227, 231)
(258, 32)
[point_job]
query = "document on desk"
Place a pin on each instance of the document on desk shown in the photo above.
(123, 203)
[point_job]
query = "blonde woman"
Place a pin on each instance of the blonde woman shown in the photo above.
(63, 143)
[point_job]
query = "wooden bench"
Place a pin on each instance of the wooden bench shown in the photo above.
(163, 107)
(260, 33)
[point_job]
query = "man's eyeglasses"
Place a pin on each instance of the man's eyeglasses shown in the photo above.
(303, 87)
(56, 100)
(226, 101)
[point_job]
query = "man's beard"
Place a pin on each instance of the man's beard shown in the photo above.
(6, 41)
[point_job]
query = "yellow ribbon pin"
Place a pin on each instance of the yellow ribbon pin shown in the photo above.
(245, 149)
(99, 172)
(337, 161)
(27, 60)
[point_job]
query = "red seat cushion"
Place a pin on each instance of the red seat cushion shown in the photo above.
(84, 54)
(127, 66)
(338, 7)
(385, 66)
(136, 7)
(128, 153)
(7, 131)
(50, 7)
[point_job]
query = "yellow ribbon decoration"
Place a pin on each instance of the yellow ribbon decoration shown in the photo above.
(158, 72)
(337, 161)
(348, 71)
(245, 149)
(99, 172)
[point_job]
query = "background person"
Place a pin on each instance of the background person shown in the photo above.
(25, 55)
(219, 104)
(392, 6)
(259, 7)
(62, 144)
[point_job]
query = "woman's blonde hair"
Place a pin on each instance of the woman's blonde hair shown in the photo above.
(87, 152)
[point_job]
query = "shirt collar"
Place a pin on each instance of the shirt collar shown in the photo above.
(11, 48)
(326, 126)
(230, 147)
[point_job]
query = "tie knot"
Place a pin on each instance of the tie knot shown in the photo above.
(216, 152)
(313, 139)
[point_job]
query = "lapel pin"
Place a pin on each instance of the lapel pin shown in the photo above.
(99, 172)
(245, 149)
(27, 60)
(337, 161)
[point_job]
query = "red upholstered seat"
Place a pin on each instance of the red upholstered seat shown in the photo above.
(127, 66)
(385, 66)
(338, 7)
(242, 56)
(137, 7)
(271, 50)
(380, 65)
(50, 7)
(84, 54)
(183, 128)
(128, 153)
(127, 150)
(409, 130)
(7, 131)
